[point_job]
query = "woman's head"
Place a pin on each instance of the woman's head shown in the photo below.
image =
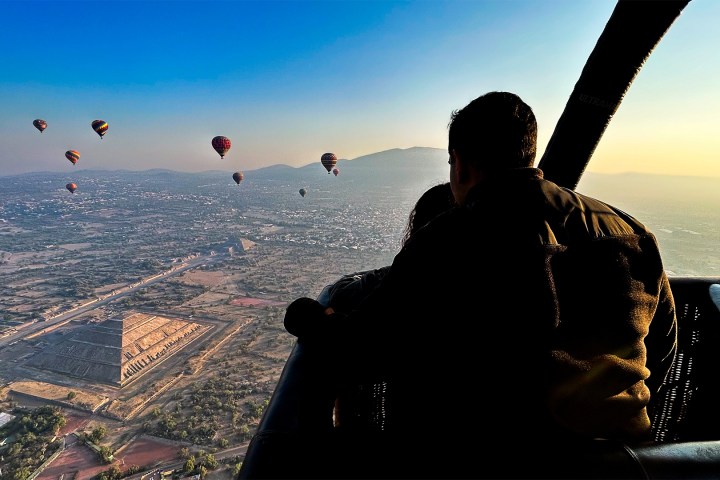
(433, 202)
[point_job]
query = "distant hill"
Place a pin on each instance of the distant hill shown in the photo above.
(416, 165)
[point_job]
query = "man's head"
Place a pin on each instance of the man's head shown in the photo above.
(496, 131)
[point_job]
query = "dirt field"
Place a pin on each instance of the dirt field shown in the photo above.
(74, 421)
(202, 277)
(58, 394)
(255, 302)
(77, 457)
(146, 451)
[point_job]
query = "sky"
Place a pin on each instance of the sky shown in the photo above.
(287, 81)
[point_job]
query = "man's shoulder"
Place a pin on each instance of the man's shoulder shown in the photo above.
(604, 213)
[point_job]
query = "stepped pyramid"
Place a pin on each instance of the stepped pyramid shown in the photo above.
(118, 350)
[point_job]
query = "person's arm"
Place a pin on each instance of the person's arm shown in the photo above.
(350, 290)
(373, 324)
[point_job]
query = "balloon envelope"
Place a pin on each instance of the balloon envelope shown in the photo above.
(40, 124)
(73, 156)
(100, 127)
(303, 192)
(329, 160)
(221, 145)
(238, 176)
(335, 171)
(71, 187)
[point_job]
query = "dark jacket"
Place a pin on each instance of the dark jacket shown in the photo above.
(524, 314)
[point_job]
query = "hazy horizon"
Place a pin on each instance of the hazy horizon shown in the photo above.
(313, 164)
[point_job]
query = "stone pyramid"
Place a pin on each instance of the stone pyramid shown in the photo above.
(118, 350)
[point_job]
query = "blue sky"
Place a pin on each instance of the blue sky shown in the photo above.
(289, 80)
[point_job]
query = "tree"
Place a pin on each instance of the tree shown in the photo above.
(203, 472)
(71, 395)
(189, 465)
(106, 454)
(210, 462)
(114, 472)
(22, 473)
(98, 433)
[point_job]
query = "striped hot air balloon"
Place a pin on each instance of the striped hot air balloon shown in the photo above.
(100, 127)
(73, 156)
(329, 160)
(221, 145)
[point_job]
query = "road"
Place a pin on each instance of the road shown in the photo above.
(220, 455)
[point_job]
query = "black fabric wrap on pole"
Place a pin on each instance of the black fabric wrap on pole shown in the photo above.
(630, 35)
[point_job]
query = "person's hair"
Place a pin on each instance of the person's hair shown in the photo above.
(436, 200)
(495, 131)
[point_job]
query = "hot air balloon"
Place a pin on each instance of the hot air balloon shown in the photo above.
(40, 124)
(221, 145)
(73, 156)
(303, 192)
(71, 187)
(238, 176)
(329, 160)
(336, 171)
(100, 127)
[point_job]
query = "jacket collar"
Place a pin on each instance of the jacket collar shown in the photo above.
(503, 179)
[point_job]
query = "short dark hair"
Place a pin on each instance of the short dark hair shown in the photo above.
(496, 130)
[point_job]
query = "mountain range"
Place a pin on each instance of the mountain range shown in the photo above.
(423, 166)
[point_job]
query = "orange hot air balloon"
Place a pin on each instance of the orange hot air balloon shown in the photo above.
(329, 160)
(303, 192)
(40, 124)
(73, 156)
(71, 187)
(100, 127)
(238, 176)
(221, 145)
(336, 171)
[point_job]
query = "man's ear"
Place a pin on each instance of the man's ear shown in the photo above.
(461, 167)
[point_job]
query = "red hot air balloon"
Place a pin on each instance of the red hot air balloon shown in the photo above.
(336, 171)
(221, 145)
(40, 124)
(73, 156)
(71, 187)
(100, 127)
(238, 176)
(329, 160)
